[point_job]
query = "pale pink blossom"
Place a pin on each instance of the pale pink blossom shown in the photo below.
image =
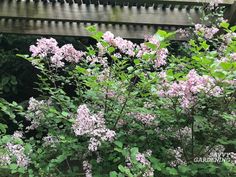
(70, 54)
(17, 151)
(178, 157)
(94, 144)
(142, 159)
(206, 31)
(228, 37)
(160, 53)
(44, 47)
(48, 48)
(161, 56)
(101, 49)
(87, 167)
(183, 33)
(35, 112)
(5, 160)
(108, 37)
(92, 125)
(188, 89)
(233, 56)
(18, 134)
(57, 60)
(146, 119)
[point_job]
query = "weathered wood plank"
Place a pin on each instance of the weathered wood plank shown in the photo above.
(139, 2)
(76, 29)
(98, 14)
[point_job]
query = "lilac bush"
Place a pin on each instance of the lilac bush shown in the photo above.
(126, 109)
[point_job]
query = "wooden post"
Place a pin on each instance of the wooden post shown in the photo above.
(230, 14)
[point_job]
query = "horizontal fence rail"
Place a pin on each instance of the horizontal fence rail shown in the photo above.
(98, 14)
(137, 3)
(126, 18)
(44, 28)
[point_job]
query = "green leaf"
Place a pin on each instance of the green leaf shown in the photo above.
(219, 74)
(65, 114)
(111, 49)
(5, 80)
(224, 25)
(136, 61)
(113, 174)
(151, 46)
(130, 68)
(172, 171)
(3, 128)
(91, 29)
(233, 28)
(226, 65)
(183, 169)
(80, 69)
(98, 35)
(122, 168)
(119, 144)
(205, 45)
(13, 166)
(23, 56)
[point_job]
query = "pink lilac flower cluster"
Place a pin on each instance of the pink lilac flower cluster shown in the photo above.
(98, 59)
(161, 57)
(125, 46)
(87, 167)
(233, 56)
(184, 134)
(17, 151)
(128, 48)
(18, 134)
(183, 33)
(44, 48)
(101, 49)
(146, 119)
(160, 53)
(188, 89)
(226, 39)
(35, 112)
(67, 52)
(92, 126)
(5, 160)
(142, 159)
(178, 156)
(207, 32)
(49, 48)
